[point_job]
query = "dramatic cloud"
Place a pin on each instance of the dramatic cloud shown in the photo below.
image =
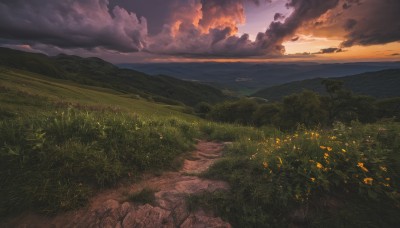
(206, 28)
(192, 28)
(359, 22)
(329, 50)
(377, 23)
(72, 24)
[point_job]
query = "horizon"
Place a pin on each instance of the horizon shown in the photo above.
(270, 31)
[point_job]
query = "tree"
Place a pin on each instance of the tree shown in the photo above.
(267, 114)
(302, 108)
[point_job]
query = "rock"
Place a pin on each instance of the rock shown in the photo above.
(147, 216)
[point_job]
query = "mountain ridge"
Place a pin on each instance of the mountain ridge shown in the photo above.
(379, 84)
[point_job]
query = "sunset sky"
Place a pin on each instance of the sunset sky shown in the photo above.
(205, 30)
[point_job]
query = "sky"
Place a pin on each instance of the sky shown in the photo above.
(123, 31)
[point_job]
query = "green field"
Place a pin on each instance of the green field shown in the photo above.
(62, 141)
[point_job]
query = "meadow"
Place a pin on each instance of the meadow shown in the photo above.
(61, 142)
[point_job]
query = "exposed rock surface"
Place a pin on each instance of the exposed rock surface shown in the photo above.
(109, 210)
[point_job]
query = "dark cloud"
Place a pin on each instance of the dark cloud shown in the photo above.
(157, 12)
(196, 28)
(378, 23)
(72, 24)
(329, 50)
(279, 16)
(349, 24)
(217, 22)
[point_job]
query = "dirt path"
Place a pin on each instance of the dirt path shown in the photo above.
(110, 209)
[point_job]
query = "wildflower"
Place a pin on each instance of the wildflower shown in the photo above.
(344, 151)
(322, 147)
(329, 148)
(383, 168)
(319, 165)
(333, 138)
(265, 164)
(326, 156)
(361, 165)
(368, 180)
(280, 160)
(388, 179)
(312, 179)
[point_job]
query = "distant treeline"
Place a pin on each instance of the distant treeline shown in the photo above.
(307, 107)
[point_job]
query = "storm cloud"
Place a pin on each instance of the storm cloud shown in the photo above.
(359, 22)
(378, 22)
(195, 28)
(72, 24)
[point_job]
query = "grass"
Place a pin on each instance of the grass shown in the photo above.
(24, 92)
(60, 142)
(311, 178)
(55, 162)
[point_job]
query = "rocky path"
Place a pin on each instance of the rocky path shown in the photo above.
(110, 208)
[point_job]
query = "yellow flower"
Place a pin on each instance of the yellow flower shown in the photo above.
(333, 138)
(312, 179)
(265, 164)
(319, 165)
(326, 156)
(329, 148)
(322, 147)
(361, 165)
(388, 179)
(280, 160)
(368, 180)
(344, 151)
(383, 168)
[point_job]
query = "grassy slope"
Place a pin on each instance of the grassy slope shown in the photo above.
(97, 72)
(381, 84)
(62, 91)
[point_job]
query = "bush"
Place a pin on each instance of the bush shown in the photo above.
(303, 177)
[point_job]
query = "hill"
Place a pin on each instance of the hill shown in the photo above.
(247, 78)
(97, 72)
(380, 84)
(24, 93)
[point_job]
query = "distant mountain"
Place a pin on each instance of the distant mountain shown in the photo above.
(97, 72)
(380, 84)
(249, 77)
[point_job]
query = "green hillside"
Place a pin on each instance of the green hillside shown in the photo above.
(380, 84)
(97, 72)
(22, 93)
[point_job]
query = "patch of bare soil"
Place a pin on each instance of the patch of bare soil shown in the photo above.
(111, 208)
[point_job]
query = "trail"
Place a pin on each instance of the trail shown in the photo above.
(110, 208)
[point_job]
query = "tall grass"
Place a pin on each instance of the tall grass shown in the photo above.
(54, 162)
